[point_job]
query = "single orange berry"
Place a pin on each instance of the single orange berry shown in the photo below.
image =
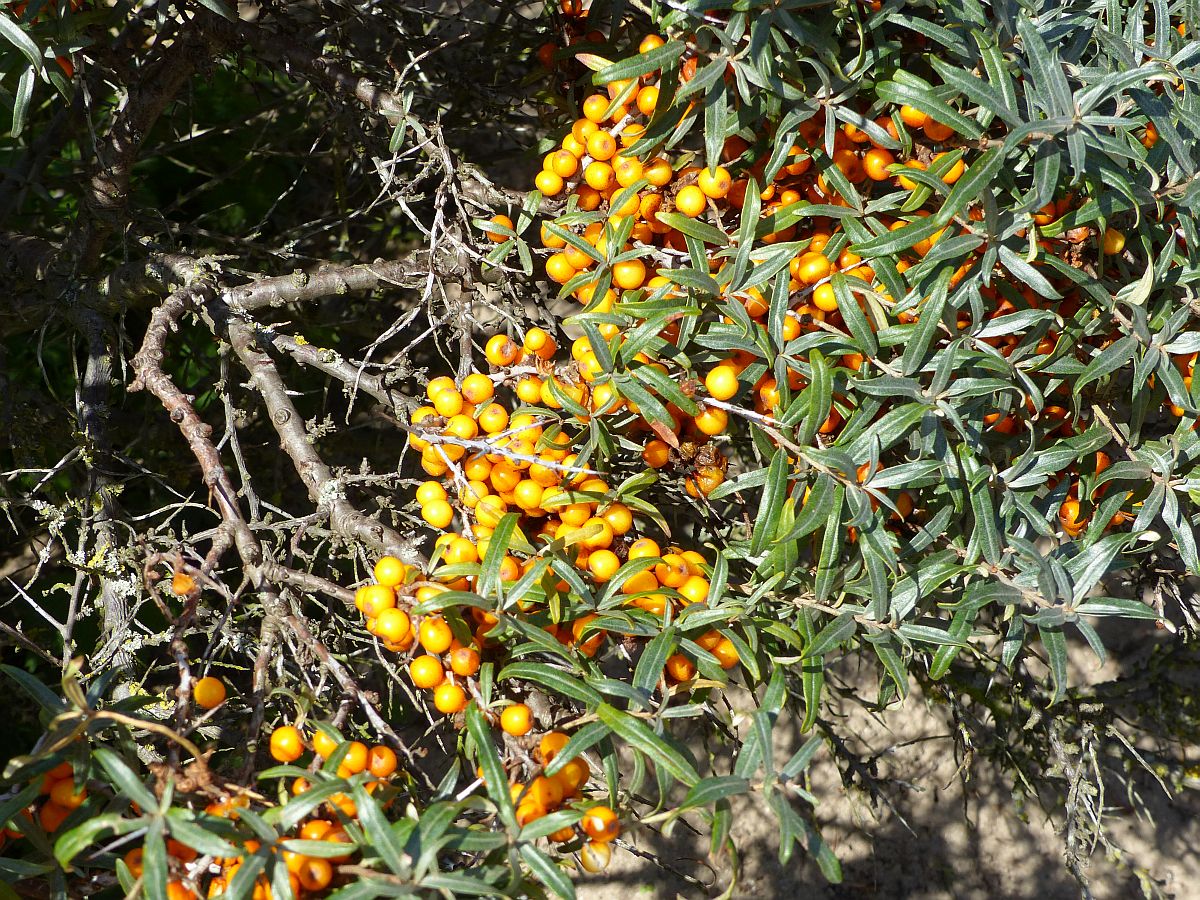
(595, 856)
(435, 635)
(464, 661)
(209, 692)
(690, 201)
(715, 183)
(722, 382)
(426, 672)
(601, 824)
(500, 350)
(381, 761)
(286, 743)
(516, 720)
(390, 572)
(449, 699)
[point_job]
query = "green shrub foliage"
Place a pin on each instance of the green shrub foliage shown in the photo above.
(827, 337)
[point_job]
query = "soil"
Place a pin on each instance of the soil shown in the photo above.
(934, 843)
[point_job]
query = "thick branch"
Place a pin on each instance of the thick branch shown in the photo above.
(328, 281)
(324, 489)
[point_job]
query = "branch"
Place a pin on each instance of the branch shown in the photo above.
(324, 489)
(330, 280)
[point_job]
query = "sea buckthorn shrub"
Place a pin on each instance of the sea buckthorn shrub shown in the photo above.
(820, 335)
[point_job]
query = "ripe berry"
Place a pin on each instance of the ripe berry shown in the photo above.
(549, 183)
(449, 699)
(439, 513)
(286, 744)
(595, 856)
(516, 720)
(182, 584)
(680, 668)
(323, 744)
(435, 635)
(393, 625)
(496, 236)
(209, 692)
(426, 672)
(464, 661)
(601, 824)
(390, 572)
(381, 761)
(715, 183)
(690, 201)
(500, 350)
(722, 382)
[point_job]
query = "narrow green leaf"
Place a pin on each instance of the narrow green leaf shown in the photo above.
(638, 734)
(493, 772)
(771, 503)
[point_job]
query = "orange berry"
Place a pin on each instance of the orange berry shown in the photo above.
(711, 421)
(439, 513)
(323, 744)
(390, 572)
(435, 635)
(551, 743)
(715, 183)
(912, 117)
(656, 454)
(653, 42)
(812, 267)
(381, 761)
(426, 672)
(549, 183)
(464, 661)
(573, 776)
(315, 873)
(64, 794)
(658, 172)
(824, 297)
(315, 829)
(428, 491)
(392, 625)
(601, 146)
(690, 201)
(448, 403)
(601, 824)
(209, 692)
(619, 518)
(875, 163)
(647, 100)
(375, 599)
(722, 382)
(477, 389)
(726, 653)
(540, 343)
(500, 350)
(516, 720)
(680, 668)
(594, 108)
(595, 856)
(449, 698)
(629, 275)
(287, 743)
(936, 131)
(695, 589)
(496, 236)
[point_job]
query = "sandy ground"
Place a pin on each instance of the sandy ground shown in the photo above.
(980, 849)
